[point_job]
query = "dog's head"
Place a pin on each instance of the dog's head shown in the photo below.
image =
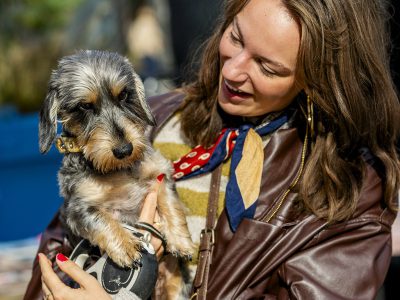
(100, 101)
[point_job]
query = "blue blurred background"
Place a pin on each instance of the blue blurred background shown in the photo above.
(160, 37)
(28, 180)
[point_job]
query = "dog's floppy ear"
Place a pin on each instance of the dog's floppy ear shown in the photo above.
(48, 120)
(149, 118)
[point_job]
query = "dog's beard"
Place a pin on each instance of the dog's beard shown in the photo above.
(98, 150)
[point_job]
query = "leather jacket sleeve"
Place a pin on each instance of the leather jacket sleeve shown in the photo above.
(340, 264)
(348, 260)
(308, 258)
(53, 241)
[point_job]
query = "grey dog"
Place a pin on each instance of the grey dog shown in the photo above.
(109, 164)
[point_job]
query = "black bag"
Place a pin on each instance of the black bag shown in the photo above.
(140, 279)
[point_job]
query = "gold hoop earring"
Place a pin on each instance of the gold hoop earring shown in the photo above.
(310, 115)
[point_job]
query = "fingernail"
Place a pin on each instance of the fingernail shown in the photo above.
(61, 257)
(160, 177)
(38, 257)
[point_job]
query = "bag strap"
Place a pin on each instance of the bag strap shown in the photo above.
(207, 238)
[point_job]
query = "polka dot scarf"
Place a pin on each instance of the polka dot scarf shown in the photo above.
(244, 144)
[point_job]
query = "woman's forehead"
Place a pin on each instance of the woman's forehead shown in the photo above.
(269, 30)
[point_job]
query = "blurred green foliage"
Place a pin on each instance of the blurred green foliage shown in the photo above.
(35, 34)
(30, 43)
(43, 15)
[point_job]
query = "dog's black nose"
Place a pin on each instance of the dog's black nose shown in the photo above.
(123, 150)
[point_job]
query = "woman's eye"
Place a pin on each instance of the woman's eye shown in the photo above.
(266, 71)
(86, 105)
(235, 38)
(124, 95)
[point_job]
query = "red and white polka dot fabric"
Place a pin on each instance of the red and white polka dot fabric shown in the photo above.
(200, 156)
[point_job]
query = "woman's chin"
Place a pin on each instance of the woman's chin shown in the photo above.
(233, 109)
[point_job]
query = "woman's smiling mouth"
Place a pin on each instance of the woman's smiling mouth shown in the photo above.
(232, 93)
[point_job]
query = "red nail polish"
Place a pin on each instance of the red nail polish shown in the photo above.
(160, 177)
(61, 257)
(38, 257)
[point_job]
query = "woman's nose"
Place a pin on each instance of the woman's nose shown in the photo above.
(235, 68)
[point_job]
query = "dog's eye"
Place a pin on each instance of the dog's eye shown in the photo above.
(124, 95)
(86, 105)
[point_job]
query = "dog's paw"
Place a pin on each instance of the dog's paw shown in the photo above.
(183, 248)
(127, 254)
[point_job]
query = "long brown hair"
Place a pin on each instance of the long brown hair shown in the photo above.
(343, 63)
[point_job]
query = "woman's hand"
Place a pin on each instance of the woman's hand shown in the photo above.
(54, 288)
(150, 215)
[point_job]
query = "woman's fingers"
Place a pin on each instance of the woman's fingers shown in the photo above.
(52, 285)
(84, 279)
(45, 291)
(150, 215)
(150, 202)
(51, 280)
(156, 242)
(70, 268)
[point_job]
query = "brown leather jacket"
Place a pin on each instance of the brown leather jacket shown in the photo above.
(293, 256)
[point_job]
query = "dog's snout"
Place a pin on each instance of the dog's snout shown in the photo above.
(123, 150)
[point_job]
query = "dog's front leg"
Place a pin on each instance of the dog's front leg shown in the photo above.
(174, 225)
(101, 229)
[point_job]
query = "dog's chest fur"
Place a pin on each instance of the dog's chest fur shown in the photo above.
(118, 192)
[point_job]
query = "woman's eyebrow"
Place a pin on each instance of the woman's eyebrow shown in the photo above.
(236, 24)
(282, 68)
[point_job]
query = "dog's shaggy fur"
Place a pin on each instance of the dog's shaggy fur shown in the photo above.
(99, 100)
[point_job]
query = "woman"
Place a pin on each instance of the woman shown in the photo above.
(309, 216)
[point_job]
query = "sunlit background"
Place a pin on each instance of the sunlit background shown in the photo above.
(160, 37)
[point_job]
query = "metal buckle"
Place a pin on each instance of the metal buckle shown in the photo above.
(207, 231)
(67, 145)
(60, 145)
